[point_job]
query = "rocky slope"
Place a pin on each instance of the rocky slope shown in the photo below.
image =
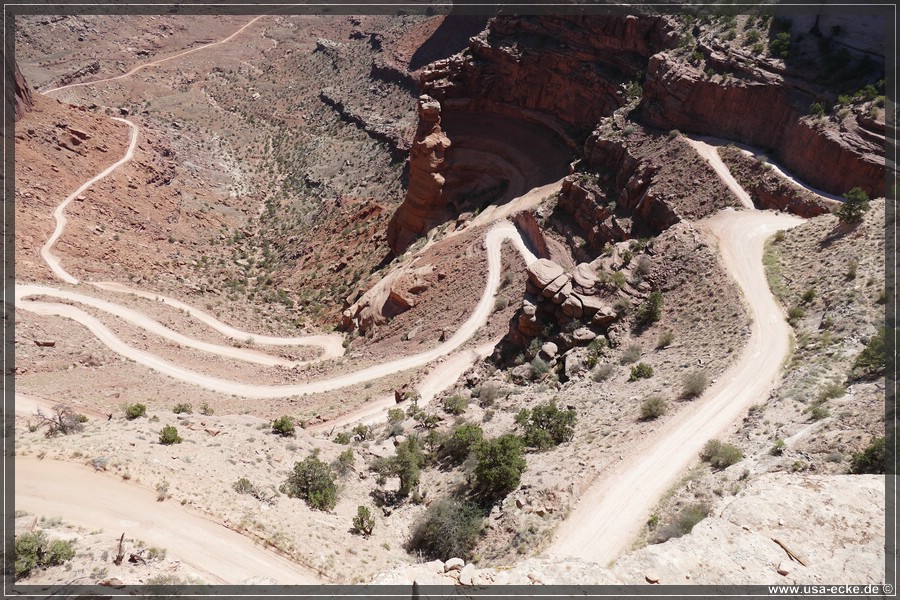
(22, 92)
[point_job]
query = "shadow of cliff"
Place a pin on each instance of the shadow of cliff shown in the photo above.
(451, 36)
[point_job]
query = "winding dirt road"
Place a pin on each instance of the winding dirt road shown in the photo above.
(96, 501)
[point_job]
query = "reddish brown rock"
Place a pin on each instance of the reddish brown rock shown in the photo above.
(424, 205)
(21, 90)
(543, 271)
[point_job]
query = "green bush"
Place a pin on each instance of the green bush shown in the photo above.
(653, 408)
(312, 481)
(777, 447)
(133, 411)
(665, 340)
(344, 462)
(181, 408)
(33, 551)
(650, 311)
(816, 109)
(871, 361)
(808, 296)
(283, 426)
(363, 522)
(243, 486)
(829, 391)
(169, 435)
(394, 415)
(406, 464)
(870, 460)
(720, 455)
(539, 368)
(449, 529)
(206, 409)
(342, 438)
(684, 522)
(854, 207)
(641, 371)
(461, 442)
(501, 462)
(781, 45)
(693, 384)
(546, 425)
(455, 404)
(488, 393)
(363, 433)
(817, 411)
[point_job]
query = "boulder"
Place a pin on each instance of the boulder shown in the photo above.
(561, 296)
(454, 564)
(572, 307)
(583, 334)
(543, 271)
(549, 350)
(555, 286)
(584, 279)
(466, 574)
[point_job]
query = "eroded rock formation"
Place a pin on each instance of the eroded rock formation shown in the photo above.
(23, 102)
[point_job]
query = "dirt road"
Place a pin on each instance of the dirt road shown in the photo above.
(155, 62)
(96, 501)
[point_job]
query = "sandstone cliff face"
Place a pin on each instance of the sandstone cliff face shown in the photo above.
(425, 204)
(762, 108)
(569, 67)
(20, 86)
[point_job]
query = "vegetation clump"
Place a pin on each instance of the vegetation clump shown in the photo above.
(464, 439)
(870, 460)
(449, 529)
(169, 435)
(363, 522)
(641, 371)
(693, 384)
(501, 462)
(312, 481)
(871, 361)
(133, 411)
(546, 425)
(283, 426)
(653, 408)
(34, 551)
(855, 206)
(720, 455)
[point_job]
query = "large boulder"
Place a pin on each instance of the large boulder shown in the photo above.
(543, 271)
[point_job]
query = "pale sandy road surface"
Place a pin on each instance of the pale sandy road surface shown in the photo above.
(96, 501)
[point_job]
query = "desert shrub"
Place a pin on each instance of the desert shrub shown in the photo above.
(650, 310)
(342, 438)
(684, 522)
(818, 411)
(488, 393)
(642, 266)
(631, 354)
(539, 368)
(781, 45)
(720, 455)
(808, 296)
(312, 481)
(406, 464)
(795, 313)
(206, 409)
(182, 408)
(449, 529)
(816, 109)
(363, 433)
(854, 207)
(665, 340)
(133, 411)
(501, 303)
(243, 486)
(870, 460)
(363, 522)
(832, 390)
(455, 404)
(777, 447)
(546, 425)
(693, 384)
(602, 372)
(283, 426)
(641, 371)
(394, 415)
(653, 408)
(461, 442)
(34, 551)
(169, 435)
(344, 462)
(871, 361)
(499, 467)
(60, 420)
(593, 351)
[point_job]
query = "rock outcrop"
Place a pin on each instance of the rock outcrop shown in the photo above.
(425, 204)
(22, 93)
(395, 294)
(763, 108)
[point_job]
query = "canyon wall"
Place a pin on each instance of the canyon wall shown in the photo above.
(14, 76)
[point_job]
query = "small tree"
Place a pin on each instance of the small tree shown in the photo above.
(182, 407)
(455, 404)
(312, 481)
(653, 408)
(870, 460)
(396, 415)
(855, 206)
(501, 462)
(33, 551)
(871, 361)
(406, 465)
(449, 529)
(650, 311)
(169, 435)
(462, 441)
(133, 411)
(363, 522)
(283, 426)
(344, 462)
(546, 425)
(61, 420)
(641, 371)
(342, 438)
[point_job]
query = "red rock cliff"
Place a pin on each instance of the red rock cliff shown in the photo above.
(15, 77)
